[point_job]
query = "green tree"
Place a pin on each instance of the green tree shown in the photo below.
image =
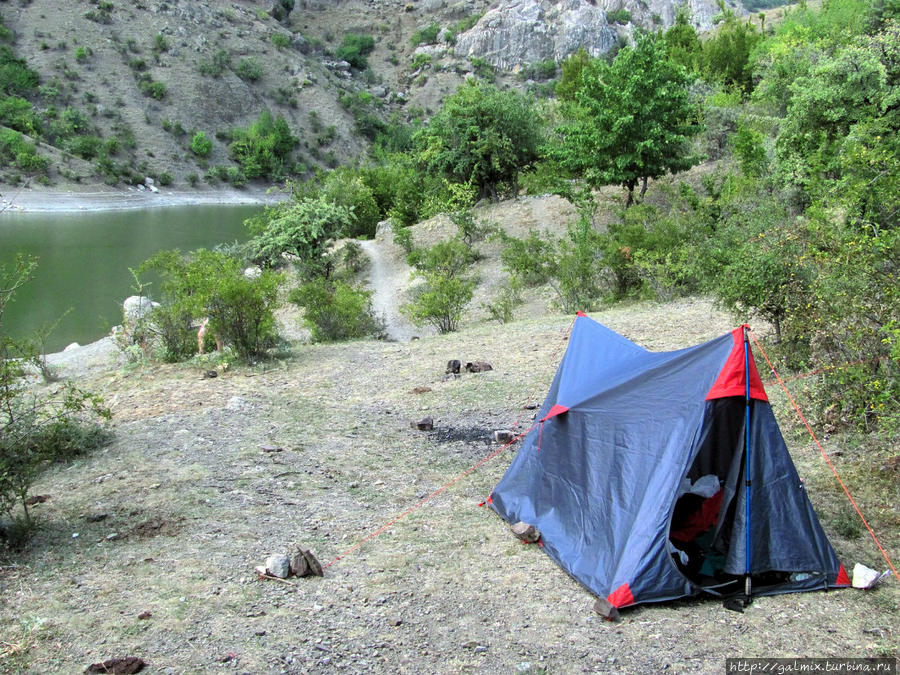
(570, 74)
(263, 148)
(631, 120)
(683, 45)
(302, 229)
(201, 145)
(336, 311)
(355, 49)
(483, 136)
(726, 55)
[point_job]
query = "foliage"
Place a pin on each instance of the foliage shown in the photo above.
(483, 136)
(211, 284)
(726, 55)
(249, 69)
(15, 150)
(427, 35)
(302, 229)
(16, 78)
(508, 298)
(37, 429)
(217, 65)
(201, 145)
(17, 113)
(570, 79)
(346, 188)
(355, 48)
(280, 40)
(631, 120)
(446, 288)
(532, 260)
(263, 148)
(336, 311)
(622, 16)
(683, 45)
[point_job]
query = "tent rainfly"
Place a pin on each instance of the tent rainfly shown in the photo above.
(635, 476)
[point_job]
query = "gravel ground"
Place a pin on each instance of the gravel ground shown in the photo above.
(172, 517)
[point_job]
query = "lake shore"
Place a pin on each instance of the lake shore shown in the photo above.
(102, 198)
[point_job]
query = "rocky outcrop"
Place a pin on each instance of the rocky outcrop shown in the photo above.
(520, 32)
(527, 31)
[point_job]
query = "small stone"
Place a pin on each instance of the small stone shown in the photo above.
(424, 424)
(527, 533)
(210, 374)
(112, 536)
(143, 616)
(278, 565)
(503, 436)
(453, 367)
(315, 567)
(96, 517)
(606, 609)
(478, 367)
(420, 390)
(271, 448)
(299, 565)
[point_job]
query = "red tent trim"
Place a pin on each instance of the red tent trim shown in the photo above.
(731, 380)
(621, 597)
(554, 411)
(842, 578)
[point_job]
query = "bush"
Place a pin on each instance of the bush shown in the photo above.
(280, 40)
(346, 188)
(530, 260)
(212, 285)
(249, 69)
(336, 311)
(355, 48)
(37, 430)
(218, 64)
(427, 35)
(14, 149)
(264, 147)
(201, 145)
(151, 88)
(17, 113)
(16, 78)
(447, 288)
(618, 16)
(301, 228)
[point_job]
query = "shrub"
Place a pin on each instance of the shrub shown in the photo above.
(618, 16)
(346, 188)
(502, 308)
(263, 148)
(17, 113)
(14, 149)
(86, 147)
(165, 178)
(16, 78)
(427, 35)
(530, 260)
(36, 429)
(337, 311)
(280, 40)
(355, 48)
(152, 88)
(201, 145)
(301, 228)
(447, 289)
(218, 64)
(212, 284)
(249, 69)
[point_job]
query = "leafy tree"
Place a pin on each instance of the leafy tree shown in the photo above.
(483, 136)
(726, 55)
(631, 120)
(570, 74)
(301, 228)
(683, 45)
(16, 78)
(263, 148)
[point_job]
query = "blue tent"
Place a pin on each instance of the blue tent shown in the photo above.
(635, 475)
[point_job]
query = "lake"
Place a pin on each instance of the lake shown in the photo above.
(84, 259)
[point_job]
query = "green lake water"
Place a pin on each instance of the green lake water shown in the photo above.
(84, 258)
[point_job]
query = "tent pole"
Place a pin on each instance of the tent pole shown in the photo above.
(747, 483)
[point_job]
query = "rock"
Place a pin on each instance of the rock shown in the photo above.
(278, 565)
(299, 565)
(424, 424)
(143, 616)
(526, 532)
(36, 499)
(154, 189)
(315, 567)
(137, 307)
(420, 390)
(253, 272)
(237, 403)
(478, 367)
(124, 666)
(72, 347)
(210, 374)
(606, 609)
(148, 181)
(271, 448)
(503, 436)
(453, 366)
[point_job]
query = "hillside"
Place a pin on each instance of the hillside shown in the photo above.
(123, 88)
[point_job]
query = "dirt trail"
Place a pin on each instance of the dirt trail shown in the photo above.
(388, 276)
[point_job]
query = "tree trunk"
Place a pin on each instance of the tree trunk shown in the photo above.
(643, 187)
